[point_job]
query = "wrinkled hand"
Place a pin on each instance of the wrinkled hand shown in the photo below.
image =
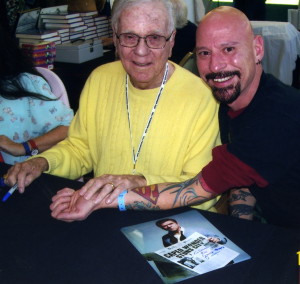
(26, 172)
(109, 187)
(10, 147)
(67, 205)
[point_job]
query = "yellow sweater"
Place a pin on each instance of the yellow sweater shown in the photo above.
(178, 145)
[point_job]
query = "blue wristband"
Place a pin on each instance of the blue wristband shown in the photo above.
(27, 149)
(121, 200)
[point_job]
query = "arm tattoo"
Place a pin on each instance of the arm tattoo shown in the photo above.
(241, 203)
(140, 205)
(239, 194)
(148, 192)
(239, 210)
(185, 193)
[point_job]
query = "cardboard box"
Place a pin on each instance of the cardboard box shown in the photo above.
(79, 51)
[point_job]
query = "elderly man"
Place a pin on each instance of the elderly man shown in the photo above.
(260, 126)
(140, 120)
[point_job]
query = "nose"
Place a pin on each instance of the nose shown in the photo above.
(142, 48)
(217, 63)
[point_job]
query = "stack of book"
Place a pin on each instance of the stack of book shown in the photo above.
(42, 54)
(37, 36)
(83, 26)
(71, 21)
(88, 19)
(103, 26)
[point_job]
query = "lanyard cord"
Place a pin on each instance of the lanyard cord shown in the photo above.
(136, 155)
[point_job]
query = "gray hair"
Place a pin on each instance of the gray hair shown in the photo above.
(180, 11)
(120, 5)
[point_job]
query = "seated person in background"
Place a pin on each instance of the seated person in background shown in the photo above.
(185, 39)
(259, 124)
(31, 116)
(140, 120)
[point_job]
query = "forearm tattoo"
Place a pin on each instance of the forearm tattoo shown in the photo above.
(239, 194)
(239, 210)
(149, 192)
(140, 205)
(241, 203)
(183, 194)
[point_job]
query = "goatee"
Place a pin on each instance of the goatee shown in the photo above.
(227, 95)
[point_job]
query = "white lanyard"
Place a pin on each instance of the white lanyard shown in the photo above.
(136, 155)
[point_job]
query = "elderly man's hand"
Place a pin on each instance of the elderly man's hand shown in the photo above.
(68, 205)
(25, 173)
(108, 187)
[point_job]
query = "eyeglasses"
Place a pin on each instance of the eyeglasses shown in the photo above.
(152, 41)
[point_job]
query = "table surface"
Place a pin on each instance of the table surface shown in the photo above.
(36, 248)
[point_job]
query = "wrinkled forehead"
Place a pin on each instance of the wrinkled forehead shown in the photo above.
(152, 15)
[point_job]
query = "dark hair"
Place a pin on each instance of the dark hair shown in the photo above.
(159, 222)
(13, 62)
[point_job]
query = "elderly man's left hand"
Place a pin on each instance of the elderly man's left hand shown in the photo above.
(67, 205)
(109, 187)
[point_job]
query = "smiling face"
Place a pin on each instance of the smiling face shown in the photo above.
(144, 65)
(227, 53)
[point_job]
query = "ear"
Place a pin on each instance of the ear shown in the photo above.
(115, 38)
(172, 42)
(259, 47)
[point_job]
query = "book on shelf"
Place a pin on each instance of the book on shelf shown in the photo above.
(91, 36)
(78, 29)
(90, 24)
(64, 34)
(202, 248)
(90, 29)
(87, 14)
(41, 46)
(42, 54)
(101, 19)
(37, 34)
(88, 21)
(38, 40)
(51, 26)
(64, 30)
(76, 36)
(103, 34)
(62, 21)
(57, 12)
(63, 16)
(89, 33)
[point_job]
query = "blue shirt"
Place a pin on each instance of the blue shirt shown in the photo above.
(26, 118)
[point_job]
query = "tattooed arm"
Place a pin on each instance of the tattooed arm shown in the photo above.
(168, 195)
(241, 203)
(68, 205)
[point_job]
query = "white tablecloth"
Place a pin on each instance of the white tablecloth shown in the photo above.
(282, 46)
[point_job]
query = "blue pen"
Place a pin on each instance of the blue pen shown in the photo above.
(10, 192)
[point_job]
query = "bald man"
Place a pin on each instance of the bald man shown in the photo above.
(260, 127)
